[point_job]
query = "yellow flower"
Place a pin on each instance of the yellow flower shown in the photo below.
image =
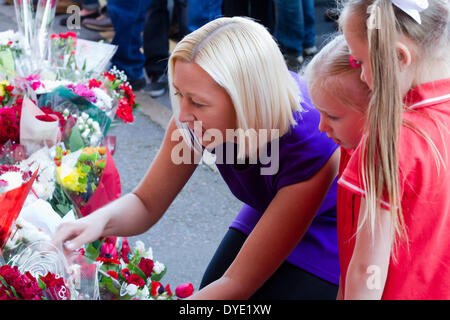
(73, 181)
(3, 85)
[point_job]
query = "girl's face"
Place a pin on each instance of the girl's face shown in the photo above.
(358, 47)
(202, 102)
(342, 123)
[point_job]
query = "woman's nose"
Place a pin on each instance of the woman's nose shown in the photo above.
(186, 114)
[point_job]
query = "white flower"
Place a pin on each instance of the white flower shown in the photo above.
(85, 133)
(140, 247)
(158, 267)
(14, 180)
(84, 115)
(132, 289)
(143, 293)
(89, 121)
(96, 126)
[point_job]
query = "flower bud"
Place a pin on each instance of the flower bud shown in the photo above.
(184, 290)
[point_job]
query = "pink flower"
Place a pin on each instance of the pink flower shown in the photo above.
(124, 253)
(184, 290)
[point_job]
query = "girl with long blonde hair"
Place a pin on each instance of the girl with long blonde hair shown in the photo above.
(400, 169)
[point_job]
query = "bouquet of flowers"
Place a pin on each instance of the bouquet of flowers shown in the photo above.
(41, 272)
(10, 49)
(14, 188)
(62, 54)
(115, 84)
(88, 177)
(15, 285)
(131, 273)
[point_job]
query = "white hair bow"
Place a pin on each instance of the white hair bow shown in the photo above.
(412, 7)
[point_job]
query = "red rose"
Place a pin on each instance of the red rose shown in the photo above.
(9, 88)
(146, 265)
(184, 290)
(113, 274)
(136, 280)
(55, 287)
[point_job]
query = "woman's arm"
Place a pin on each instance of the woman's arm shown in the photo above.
(277, 233)
(368, 267)
(136, 212)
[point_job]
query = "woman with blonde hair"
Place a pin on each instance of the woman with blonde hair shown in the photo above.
(233, 95)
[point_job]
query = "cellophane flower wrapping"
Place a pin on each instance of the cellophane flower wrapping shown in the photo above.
(15, 185)
(37, 128)
(89, 178)
(45, 15)
(40, 271)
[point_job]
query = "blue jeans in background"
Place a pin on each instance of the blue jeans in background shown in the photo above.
(295, 25)
(200, 12)
(128, 20)
(156, 38)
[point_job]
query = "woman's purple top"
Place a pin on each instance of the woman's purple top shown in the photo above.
(302, 152)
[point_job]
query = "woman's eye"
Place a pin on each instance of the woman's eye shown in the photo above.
(178, 93)
(198, 105)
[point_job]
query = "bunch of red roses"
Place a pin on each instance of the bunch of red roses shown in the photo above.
(131, 273)
(17, 286)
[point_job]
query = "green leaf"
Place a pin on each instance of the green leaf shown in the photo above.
(41, 284)
(135, 269)
(75, 140)
(91, 252)
(158, 277)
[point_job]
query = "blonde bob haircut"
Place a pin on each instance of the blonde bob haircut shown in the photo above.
(243, 58)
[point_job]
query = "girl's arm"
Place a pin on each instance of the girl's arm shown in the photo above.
(136, 212)
(368, 267)
(277, 233)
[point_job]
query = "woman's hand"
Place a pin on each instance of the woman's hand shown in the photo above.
(72, 235)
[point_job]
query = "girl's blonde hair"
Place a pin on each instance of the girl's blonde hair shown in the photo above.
(243, 58)
(431, 40)
(324, 70)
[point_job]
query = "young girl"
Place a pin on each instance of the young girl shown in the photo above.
(336, 90)
(400, 169)
(227, 76)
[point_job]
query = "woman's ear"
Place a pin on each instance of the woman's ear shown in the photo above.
(404, 56)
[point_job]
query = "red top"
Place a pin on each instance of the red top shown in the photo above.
(424, 271)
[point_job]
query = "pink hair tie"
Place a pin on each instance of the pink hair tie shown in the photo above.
(353, 62)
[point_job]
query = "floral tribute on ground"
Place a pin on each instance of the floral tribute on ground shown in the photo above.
(58, 99)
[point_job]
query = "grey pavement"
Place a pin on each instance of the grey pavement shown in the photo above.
(188, 234)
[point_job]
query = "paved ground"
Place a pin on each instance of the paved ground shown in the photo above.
(187, 236)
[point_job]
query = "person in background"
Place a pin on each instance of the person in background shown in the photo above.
(262, 11)
(295, 30)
